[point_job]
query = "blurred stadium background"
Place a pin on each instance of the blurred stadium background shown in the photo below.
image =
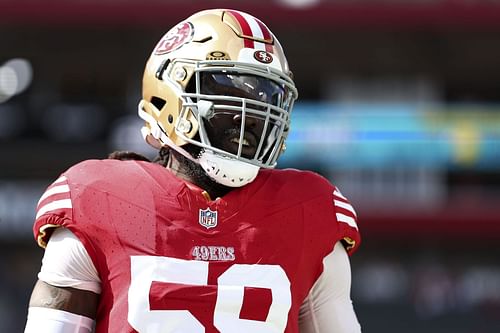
(399, 106)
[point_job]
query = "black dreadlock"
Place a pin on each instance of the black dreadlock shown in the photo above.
(126, 155)
(191, 169)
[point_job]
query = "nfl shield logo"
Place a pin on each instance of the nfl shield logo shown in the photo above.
(208, 218)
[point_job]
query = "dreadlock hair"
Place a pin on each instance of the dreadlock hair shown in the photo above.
(163, 156)
(125, 155)
(192, 169)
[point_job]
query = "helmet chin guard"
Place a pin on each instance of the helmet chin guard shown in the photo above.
(227, 171)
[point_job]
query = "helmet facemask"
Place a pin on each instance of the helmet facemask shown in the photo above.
(243, 119)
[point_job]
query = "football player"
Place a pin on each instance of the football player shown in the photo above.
(209, 237)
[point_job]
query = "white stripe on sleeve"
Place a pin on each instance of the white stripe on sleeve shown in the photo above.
(54, 205)
(338, 194)
(345, 205)
(54, 190)
(347, 219)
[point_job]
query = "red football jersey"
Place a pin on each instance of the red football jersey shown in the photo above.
(170, 260)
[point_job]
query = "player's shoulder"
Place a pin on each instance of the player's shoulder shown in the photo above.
(109, 170)
(323, 202)
(302, 181)
(99, 167)
(86, 183)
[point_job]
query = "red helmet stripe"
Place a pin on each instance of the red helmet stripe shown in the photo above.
(245, 28)
(267, 35)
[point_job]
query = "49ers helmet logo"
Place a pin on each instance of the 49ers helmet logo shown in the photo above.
(263, 56)
(175, 38)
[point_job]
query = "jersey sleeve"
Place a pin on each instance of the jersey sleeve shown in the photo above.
(66, 263)
(329, 215)
(328, 307)
(54, 209)
(347, 221)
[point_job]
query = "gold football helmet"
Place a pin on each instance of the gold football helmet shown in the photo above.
(219, 62)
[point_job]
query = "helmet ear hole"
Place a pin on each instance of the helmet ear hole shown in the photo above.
(158, 102)
(170, 118)
(161, 69)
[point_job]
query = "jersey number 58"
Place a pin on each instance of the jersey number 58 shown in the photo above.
(230, 294)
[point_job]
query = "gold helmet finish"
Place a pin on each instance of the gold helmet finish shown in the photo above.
(210, 41)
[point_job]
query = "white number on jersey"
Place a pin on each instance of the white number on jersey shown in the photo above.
(230, 294)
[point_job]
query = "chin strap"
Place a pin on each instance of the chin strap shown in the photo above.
(227, 171)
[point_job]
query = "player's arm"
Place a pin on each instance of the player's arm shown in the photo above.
(65, 298)
(61, 309)
(328, 307)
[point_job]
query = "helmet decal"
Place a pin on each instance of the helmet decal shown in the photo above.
(217, 55)
(263, 56)
(179, 35)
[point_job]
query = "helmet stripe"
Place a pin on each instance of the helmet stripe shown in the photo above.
(266, 34)
(245, 28)
(250, 26)
(257, 31)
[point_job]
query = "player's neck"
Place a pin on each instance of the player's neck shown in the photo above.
(192, 172)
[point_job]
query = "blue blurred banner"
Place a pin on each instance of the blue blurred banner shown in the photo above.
(358, 136)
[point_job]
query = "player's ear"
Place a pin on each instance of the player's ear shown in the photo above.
(127, 156)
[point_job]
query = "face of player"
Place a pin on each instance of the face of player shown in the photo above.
(225, 126)
(224, 132)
